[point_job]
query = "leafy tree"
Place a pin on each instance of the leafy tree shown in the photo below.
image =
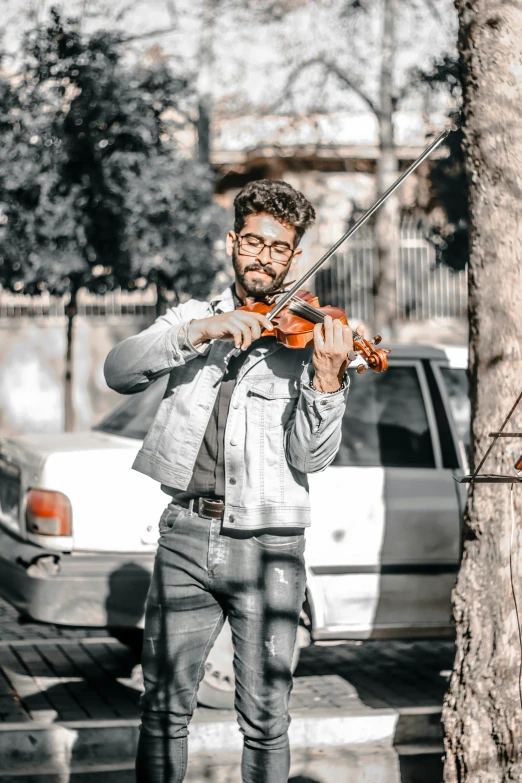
(94, 190)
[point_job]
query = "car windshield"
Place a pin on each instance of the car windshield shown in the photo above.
(456, 381)
(134, 416)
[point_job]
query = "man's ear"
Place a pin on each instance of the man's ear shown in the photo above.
(229, 242)
(298, 252)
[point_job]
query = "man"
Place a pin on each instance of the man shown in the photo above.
(242, 422)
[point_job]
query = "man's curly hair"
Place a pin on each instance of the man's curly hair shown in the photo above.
(276, 198)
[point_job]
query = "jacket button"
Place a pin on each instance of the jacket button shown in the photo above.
(232, 481)
(233, 442)
(231, 518)
(235, 404)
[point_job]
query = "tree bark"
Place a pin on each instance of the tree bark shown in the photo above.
(387, 218)
(69, 412)
(482, 711)
(205, 78)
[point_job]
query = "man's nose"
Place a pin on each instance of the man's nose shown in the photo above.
(264, 255)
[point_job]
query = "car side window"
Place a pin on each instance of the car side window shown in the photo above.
(385, 423)
(456, 382)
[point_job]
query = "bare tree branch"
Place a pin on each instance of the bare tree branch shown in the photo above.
(172, 10)
(343, 76)
(150, 34)
(125, 10)
(432, 6)
(330, 67)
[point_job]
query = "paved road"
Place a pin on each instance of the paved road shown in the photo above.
(372, 674)
(14, 628)
(382, 698)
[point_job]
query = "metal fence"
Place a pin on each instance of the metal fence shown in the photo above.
(114, 303)
(424, 289)
(118, 302)
(19, 305)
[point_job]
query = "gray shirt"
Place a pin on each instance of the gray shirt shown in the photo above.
(208, 479)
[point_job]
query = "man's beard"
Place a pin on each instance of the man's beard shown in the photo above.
(258, 288)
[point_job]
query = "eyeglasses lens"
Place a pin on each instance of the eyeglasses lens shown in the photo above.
(253, 247)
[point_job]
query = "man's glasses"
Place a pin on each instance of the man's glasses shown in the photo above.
(252, 245)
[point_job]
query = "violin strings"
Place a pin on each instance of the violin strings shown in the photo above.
(312, 314)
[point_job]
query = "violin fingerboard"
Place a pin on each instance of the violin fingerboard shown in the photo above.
(312, 314)
(306, 311)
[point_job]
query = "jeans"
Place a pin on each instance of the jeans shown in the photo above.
(203, 574)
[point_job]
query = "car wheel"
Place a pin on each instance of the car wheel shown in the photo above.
(218, 684)
(217, 687)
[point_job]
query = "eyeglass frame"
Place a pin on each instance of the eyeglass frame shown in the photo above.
(239, 237)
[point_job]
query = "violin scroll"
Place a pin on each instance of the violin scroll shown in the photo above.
(376, 358)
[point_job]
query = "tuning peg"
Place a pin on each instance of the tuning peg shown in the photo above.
(361, 369)
(377, 339)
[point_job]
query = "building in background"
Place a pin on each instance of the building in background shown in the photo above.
(320, 136)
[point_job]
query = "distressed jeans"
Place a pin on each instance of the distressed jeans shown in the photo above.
(202, 575)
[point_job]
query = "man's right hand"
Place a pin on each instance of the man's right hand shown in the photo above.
(241, 326)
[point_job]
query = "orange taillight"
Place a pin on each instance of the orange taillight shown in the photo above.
(48, 513)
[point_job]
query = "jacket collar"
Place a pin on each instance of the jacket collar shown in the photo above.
(225, 302)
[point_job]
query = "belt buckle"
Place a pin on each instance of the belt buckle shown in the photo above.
(201, 512)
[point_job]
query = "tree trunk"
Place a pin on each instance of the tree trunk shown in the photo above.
(205, 78)
(69, 413)
(482, 711)
(387, 218)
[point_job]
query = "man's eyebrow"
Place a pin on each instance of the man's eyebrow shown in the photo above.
(262, 239)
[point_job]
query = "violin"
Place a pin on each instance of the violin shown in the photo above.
(296, 311)
(294, 325)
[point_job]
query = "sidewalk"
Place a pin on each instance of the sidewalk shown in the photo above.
(361, 712)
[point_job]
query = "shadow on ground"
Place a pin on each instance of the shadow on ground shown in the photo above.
(385, 673)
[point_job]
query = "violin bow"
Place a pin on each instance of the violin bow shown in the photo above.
(286, 297)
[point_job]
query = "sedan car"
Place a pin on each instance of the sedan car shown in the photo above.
(79, 528)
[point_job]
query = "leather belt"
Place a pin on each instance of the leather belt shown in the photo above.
(208, 509)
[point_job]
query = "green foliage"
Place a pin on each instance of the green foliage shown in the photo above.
(94, 190)
(448, 177)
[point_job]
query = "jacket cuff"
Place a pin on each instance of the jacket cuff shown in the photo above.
(322, 402)
(314, 394)
(182, 345)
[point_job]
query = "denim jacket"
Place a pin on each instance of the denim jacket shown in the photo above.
(278, 428)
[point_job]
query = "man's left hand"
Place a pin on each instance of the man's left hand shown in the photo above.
(332, 342)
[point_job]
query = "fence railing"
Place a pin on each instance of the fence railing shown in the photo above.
(118, 302)
(113, 303)
(22, 305)
(424, 289)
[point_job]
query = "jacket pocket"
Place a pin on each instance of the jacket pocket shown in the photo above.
(271, 404)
